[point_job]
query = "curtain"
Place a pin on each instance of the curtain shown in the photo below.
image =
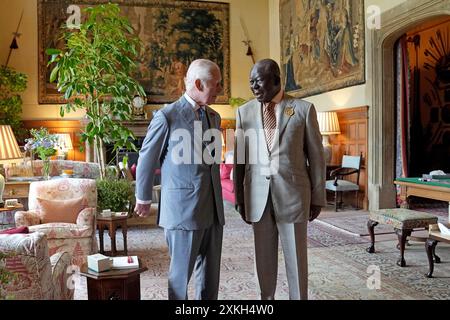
(403, 107)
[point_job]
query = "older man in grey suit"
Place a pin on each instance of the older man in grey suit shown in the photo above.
(279, 177)
(191, 211)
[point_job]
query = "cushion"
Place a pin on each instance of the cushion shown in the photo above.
(403, 218)
(61, 210)
(228, 185)
(225, 171)
(23, 229)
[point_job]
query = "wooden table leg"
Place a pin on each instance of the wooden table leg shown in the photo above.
(124, 232)
(101, 229)
(112, 235)
(404, 198)
(449, 212)
(402, 235)
(430, 246)
(371, 226)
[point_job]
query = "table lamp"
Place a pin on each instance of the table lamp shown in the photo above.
(9, 153)
(64, 143)
(328, 124)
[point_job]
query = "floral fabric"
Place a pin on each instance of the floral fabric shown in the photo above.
(36, 277)
(89, 170)
(403, 218)
(78, 239)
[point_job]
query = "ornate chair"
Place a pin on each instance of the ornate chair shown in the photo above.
(78, 238)
(351, 165)
(36, 275)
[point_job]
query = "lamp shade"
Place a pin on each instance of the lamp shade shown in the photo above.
(64, 141)
(9, 149)
(328, 123)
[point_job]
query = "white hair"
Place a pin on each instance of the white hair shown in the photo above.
(201, 69)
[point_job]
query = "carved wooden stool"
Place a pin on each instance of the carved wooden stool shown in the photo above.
(403, 221)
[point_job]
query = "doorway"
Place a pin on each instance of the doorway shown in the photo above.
(381, 92)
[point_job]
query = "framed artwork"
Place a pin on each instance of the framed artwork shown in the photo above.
(173, 34)
(322, 45)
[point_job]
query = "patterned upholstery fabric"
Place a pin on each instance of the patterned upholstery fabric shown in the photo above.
(89, 170)
(403, 218)
(78, 239)
(38, 276)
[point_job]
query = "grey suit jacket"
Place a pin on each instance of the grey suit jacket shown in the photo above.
(185, 187)
(295, 169)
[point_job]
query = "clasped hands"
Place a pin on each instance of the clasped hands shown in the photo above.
(314, 212)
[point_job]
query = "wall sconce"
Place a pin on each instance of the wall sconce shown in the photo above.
(328, 124)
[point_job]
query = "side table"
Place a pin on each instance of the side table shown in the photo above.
(7, 216)
(120, 284)
(112, 223)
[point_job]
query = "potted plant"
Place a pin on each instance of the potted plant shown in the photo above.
(44, 145)
(114, 194)
(94, 73)
(12, 84)
(236, 102)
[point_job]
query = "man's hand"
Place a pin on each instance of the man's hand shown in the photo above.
(142, 210)
(241, 210)
(315, 211)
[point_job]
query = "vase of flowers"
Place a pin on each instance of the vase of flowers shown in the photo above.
(44, 145)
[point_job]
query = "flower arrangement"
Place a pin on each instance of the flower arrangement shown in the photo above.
(44, 145)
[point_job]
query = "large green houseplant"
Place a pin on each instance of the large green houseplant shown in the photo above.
(94, 73)
(12, 84)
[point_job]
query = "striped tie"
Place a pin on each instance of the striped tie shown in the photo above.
(270, 124)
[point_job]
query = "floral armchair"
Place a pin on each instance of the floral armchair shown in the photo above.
(36, 275)
(79, 238)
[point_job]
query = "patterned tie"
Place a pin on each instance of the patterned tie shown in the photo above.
(270, 124)
(202, 118)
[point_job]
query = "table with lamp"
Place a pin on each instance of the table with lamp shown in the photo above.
(9, 153)
(64, 143)
(328, 125)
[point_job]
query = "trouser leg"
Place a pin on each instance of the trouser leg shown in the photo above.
(266, 253)
(183, 250)
(294, 243)
(207, 268)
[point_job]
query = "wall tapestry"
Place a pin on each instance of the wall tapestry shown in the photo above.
(173, 34)
(322, 45)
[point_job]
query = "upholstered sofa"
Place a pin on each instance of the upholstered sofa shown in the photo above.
(227, 182)
(78, 238)
(89, 170)
(36, 275)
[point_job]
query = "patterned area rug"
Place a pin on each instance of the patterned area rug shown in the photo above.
(355, 222)
(338, 265)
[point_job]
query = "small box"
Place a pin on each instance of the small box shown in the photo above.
(11, 202)
(99, 263)
(106, 213)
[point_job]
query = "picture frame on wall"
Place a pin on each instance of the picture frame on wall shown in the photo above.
(322, 45)
(173, 34)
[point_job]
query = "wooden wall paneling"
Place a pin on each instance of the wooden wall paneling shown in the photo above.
(353, 140)
(72, 127)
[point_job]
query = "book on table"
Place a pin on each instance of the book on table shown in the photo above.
(126, 262)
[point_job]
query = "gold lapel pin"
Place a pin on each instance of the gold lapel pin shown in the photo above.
(289, 111)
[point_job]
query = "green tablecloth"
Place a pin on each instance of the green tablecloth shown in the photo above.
(438, 183)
